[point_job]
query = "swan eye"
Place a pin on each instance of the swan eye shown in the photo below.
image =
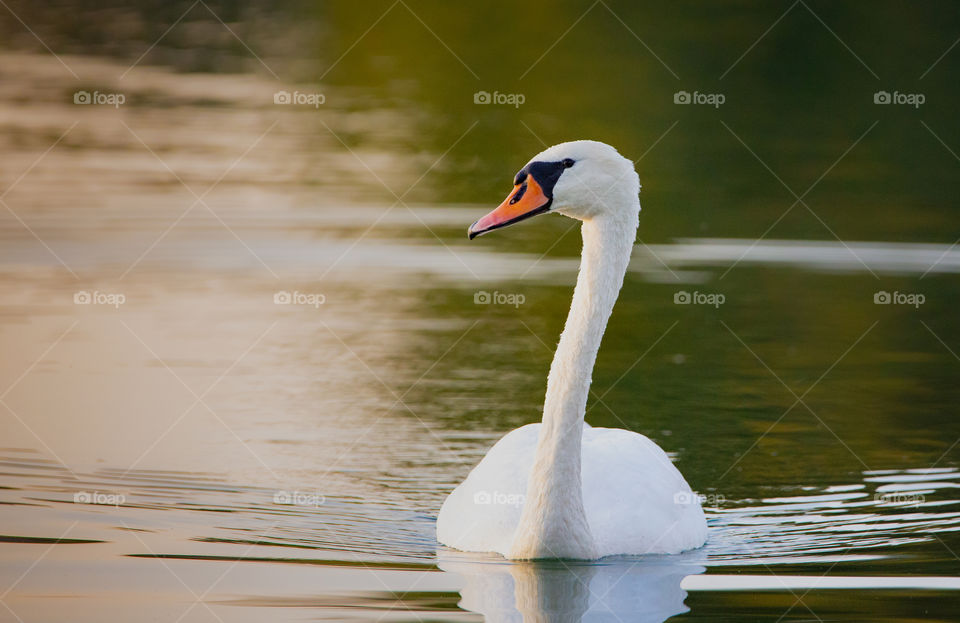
(568, 162)
(517, 197)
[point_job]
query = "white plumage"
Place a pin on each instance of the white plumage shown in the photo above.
(636, 501)
(561, 489)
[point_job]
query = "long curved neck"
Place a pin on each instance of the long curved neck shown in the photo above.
(606, 253)
(553, 523)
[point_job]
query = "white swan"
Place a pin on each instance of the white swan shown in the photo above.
(562, 489)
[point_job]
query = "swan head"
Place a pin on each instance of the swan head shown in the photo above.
(580, 179)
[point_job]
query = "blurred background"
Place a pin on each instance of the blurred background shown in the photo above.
(233, 268)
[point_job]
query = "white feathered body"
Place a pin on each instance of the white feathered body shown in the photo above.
(635, 500)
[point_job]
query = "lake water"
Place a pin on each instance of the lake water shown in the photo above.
(248, 349)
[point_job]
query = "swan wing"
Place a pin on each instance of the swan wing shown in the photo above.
(482, 513)
(637, 501)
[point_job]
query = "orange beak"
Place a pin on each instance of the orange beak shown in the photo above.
(526, 200)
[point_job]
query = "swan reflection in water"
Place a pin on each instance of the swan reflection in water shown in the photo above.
(568, 591)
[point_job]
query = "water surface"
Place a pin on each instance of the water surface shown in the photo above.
(190, 445)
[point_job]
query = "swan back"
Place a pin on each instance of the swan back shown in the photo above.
(636, 501)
